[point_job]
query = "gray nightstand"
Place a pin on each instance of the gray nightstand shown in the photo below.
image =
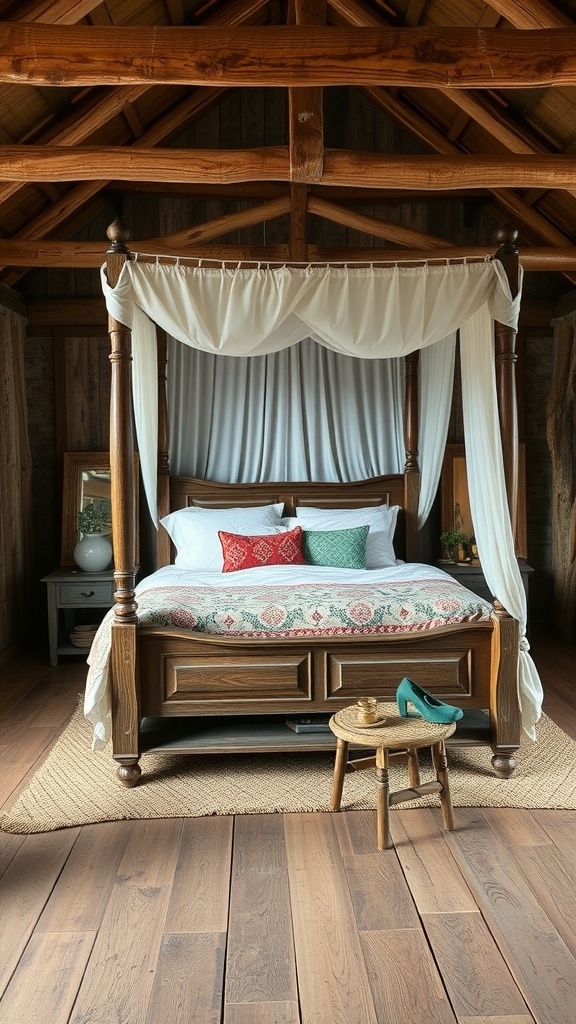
(69, 589)
(472, 577)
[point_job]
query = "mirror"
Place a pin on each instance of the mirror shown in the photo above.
(86, 480)
(456, 503)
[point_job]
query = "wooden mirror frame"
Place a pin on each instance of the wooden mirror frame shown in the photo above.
(455, 490)
(75, 463)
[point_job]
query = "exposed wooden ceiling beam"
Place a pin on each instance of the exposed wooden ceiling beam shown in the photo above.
(54, 12)
(374, 226)
(224, 225)
(298, 243)
(91, 254)
(515, 137)
(286, 55)
(341, 167)
(79, 125)
(63, 208)
(305, 115)
(530, 13)
(440, 172)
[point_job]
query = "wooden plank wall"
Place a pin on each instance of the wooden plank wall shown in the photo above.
(15, 483)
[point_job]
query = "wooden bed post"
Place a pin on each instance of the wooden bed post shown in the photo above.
(505, 356)
(125, 716)
(504, 704)
(411, 467)
(163, 497)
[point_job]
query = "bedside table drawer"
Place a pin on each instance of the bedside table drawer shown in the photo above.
(84, 594)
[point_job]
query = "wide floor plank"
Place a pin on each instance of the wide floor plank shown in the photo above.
(260, 965)
(118, 979)
(24, 889)
(332, 975)
(474, 972)
(79, 898)
(537, 956)
(189, 979)
(262, 1013)
(46, 981)
(404, 979)
(199, 901)
(436, 882)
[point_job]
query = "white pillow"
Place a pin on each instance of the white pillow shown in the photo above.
(380, 518)
(194, 531)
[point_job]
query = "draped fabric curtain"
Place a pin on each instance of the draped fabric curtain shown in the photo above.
(371, 313)
(304, 413)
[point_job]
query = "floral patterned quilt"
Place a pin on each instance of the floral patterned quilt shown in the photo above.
(311, 609)
(318, 609)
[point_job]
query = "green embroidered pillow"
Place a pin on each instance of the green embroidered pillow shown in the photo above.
(345, 549)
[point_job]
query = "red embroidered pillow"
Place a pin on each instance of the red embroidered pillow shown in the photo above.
(271, 549)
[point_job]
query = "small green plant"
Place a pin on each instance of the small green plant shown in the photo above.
(94, 518)
(450, 541)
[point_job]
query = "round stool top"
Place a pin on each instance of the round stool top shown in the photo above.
(395, 731)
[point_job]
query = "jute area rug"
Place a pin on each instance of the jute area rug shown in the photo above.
(78, 786)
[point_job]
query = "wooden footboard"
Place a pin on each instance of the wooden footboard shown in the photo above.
(178, 675)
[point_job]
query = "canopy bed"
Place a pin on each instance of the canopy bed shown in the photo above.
(152, 667)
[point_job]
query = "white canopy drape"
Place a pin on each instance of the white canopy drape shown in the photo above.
(369, 312)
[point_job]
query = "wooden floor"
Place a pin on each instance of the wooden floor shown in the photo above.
(278, 919)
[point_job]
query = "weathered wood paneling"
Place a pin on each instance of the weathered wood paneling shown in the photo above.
(15, 481)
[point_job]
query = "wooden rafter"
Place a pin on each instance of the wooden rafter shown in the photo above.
(54, 12)
(530, 13)
(516, 138)
(286, 55)
(374, 226)
(60, 210)
(341, 167)
(224, 225)
(94, 114)
(89, 254)
(79, 125)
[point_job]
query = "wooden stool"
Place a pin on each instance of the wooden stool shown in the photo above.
(392, 738)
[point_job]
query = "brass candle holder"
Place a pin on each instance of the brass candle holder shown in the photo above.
(366, 710)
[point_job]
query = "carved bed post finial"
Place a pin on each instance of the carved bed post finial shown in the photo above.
(506, 237)
(117, 234)
(505, 358)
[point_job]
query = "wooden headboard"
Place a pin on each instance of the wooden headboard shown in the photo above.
(382, 490)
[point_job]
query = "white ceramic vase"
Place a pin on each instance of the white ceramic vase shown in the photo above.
(93, 553)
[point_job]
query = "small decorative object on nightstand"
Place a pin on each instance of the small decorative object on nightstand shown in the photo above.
(93, 553)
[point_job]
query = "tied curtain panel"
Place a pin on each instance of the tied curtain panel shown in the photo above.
(369, 313)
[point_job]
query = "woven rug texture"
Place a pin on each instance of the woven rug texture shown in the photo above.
(78, 786)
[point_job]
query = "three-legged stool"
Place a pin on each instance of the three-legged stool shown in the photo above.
(391, 737)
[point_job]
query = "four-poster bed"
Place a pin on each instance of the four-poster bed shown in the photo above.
(168, 674)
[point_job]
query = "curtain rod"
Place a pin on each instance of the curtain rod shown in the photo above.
(199, 261)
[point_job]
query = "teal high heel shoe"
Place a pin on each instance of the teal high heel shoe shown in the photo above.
(429, 707)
